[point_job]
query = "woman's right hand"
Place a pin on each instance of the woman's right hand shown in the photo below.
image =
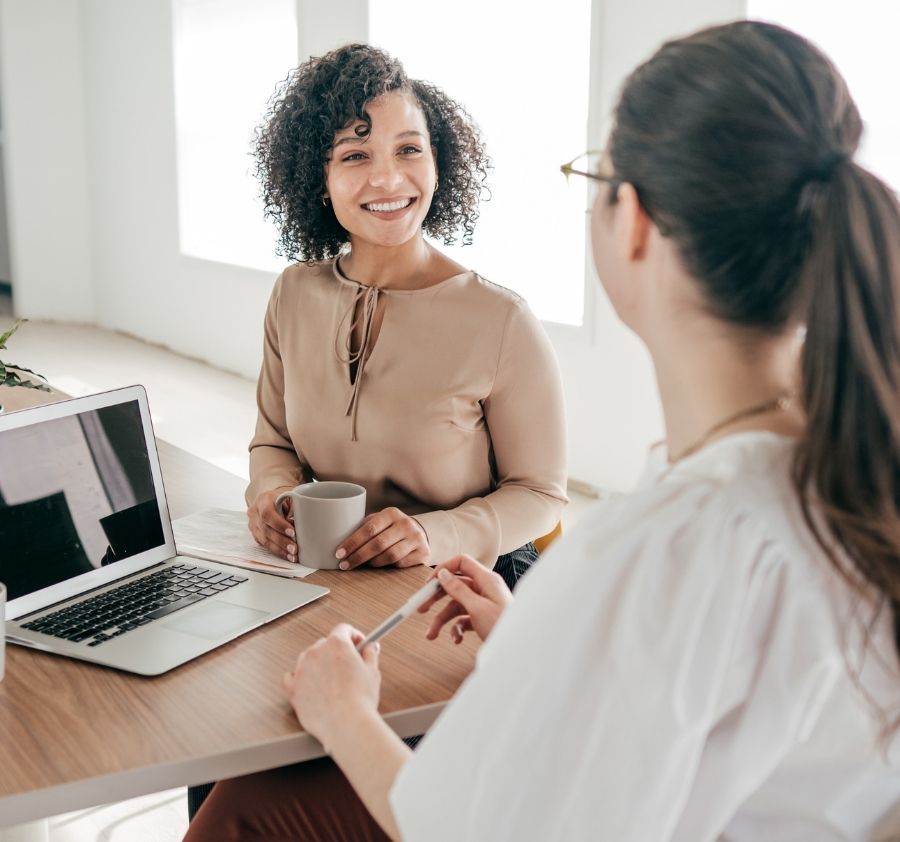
(269, 527)
(478, 597)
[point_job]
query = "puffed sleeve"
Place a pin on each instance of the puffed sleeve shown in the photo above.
(660, 637)
(525, 415)
(274, 459)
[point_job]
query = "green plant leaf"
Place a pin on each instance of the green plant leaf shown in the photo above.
(9, 372)
(13, 379)
(4, 338)
(22, 368)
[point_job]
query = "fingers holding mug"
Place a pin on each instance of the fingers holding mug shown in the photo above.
(269, 527)
(323, 514)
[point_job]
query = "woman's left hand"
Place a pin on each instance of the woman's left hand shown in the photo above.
(386, 538)
(331, 681)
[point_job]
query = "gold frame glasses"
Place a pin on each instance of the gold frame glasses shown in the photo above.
(568, 169)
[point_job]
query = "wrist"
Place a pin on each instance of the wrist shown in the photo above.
(349, 727)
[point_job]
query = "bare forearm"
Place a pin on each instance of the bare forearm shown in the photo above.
(371, 755)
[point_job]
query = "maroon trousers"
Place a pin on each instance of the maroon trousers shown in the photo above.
(309, 801)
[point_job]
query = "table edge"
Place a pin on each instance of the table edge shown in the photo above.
(120, 786)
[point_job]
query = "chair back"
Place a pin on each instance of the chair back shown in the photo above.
(545, 541)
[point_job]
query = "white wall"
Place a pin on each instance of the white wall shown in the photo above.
(5, 268)
(41, 86)
(112, 61)
(322, 26)
(143, 284)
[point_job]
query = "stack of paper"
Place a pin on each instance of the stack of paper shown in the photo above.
(222, 535)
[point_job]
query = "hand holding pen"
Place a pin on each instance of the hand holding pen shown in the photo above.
(477, 596)
(338, 676)
(425, 595)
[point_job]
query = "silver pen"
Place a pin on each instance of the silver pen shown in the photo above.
(420, 597)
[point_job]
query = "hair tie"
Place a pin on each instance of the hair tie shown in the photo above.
(827, 164)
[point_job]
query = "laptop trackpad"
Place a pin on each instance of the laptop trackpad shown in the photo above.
(216, 619)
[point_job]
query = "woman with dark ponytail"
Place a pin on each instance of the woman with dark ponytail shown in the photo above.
(714, 657)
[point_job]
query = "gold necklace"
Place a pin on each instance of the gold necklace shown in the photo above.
(780, 403)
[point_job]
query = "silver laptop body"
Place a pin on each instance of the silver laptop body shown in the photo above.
(84, 519)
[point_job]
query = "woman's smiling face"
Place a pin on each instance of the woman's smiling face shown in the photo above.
(381, 181)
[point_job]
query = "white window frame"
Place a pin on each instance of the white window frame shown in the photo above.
(586, 335)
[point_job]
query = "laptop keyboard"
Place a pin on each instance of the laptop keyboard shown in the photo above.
(134, 604)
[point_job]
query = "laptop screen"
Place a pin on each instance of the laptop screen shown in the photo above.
(76, 494)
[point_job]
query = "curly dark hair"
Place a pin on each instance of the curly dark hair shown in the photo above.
(324, 95)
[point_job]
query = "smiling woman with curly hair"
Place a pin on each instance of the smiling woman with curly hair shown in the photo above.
(318, 100)
(385, 362)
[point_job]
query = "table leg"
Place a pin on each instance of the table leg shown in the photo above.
(38, 831)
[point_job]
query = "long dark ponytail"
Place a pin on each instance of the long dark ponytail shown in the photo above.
(850, 454)
(739, 141)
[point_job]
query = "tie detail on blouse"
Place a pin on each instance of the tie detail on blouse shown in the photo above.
(368, 296)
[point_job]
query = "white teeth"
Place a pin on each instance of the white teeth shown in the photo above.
(387, 207)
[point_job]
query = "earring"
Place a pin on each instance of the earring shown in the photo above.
(325, 201)
(436, 182)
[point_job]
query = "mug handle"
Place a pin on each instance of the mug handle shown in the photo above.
(278, 501)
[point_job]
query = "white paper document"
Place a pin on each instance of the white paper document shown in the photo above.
(222, 535)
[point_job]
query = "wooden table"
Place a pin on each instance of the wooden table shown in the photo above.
(75, 735)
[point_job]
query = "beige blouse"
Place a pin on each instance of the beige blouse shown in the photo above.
(456, 419)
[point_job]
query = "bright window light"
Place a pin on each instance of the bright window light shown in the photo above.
(523, 75)
(861, 39)
(229, 57)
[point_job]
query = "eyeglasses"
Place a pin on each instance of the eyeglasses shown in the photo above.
(613, 180)
(569, 169)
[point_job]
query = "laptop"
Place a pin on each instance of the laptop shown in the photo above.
(87, 552)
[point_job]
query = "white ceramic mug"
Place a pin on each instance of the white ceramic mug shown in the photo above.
(324, 514)
(2, 630)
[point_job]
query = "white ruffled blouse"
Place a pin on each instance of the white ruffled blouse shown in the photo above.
(684, 665)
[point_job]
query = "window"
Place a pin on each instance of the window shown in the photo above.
(523, 74)
(229, 57)
(861, 40)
